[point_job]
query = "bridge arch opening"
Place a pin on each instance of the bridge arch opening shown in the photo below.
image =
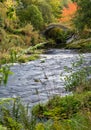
(57, 32)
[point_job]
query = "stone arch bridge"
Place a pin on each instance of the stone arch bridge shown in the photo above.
(56, 25)
(71, 36)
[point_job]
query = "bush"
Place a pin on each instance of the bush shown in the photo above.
(15, 115)
(60, 108)
(81, 121)
(77, 80)
(81, 45)
(25, 58)
(2, 128)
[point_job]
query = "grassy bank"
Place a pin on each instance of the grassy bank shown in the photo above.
(21, 55)
(59, 113)
(8, 58)
(65, 113)
(83, 45)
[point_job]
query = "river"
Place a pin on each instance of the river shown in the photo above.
(37, 81)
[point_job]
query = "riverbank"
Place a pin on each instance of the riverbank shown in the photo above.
(20, 56)
(23, 55)
(82, 45)
(7, 58)
(67, 113)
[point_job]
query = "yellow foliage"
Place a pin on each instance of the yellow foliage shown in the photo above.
(10, 3)
(57, 125)
(39, 126)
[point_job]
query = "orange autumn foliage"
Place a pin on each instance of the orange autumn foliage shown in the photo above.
(68, 12)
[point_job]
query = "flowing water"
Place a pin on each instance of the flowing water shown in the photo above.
(37, 81)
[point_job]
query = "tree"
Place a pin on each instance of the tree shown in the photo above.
(56, 7)
(46, 11)
(34, 16)
(38, 12)
(82, 18)
(68, 12)
(65, 2)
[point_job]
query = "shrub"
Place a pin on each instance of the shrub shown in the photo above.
(77, 80)
(2, 128)
(4, 74)
(60, 108)
(15, 115)
(81, 121)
